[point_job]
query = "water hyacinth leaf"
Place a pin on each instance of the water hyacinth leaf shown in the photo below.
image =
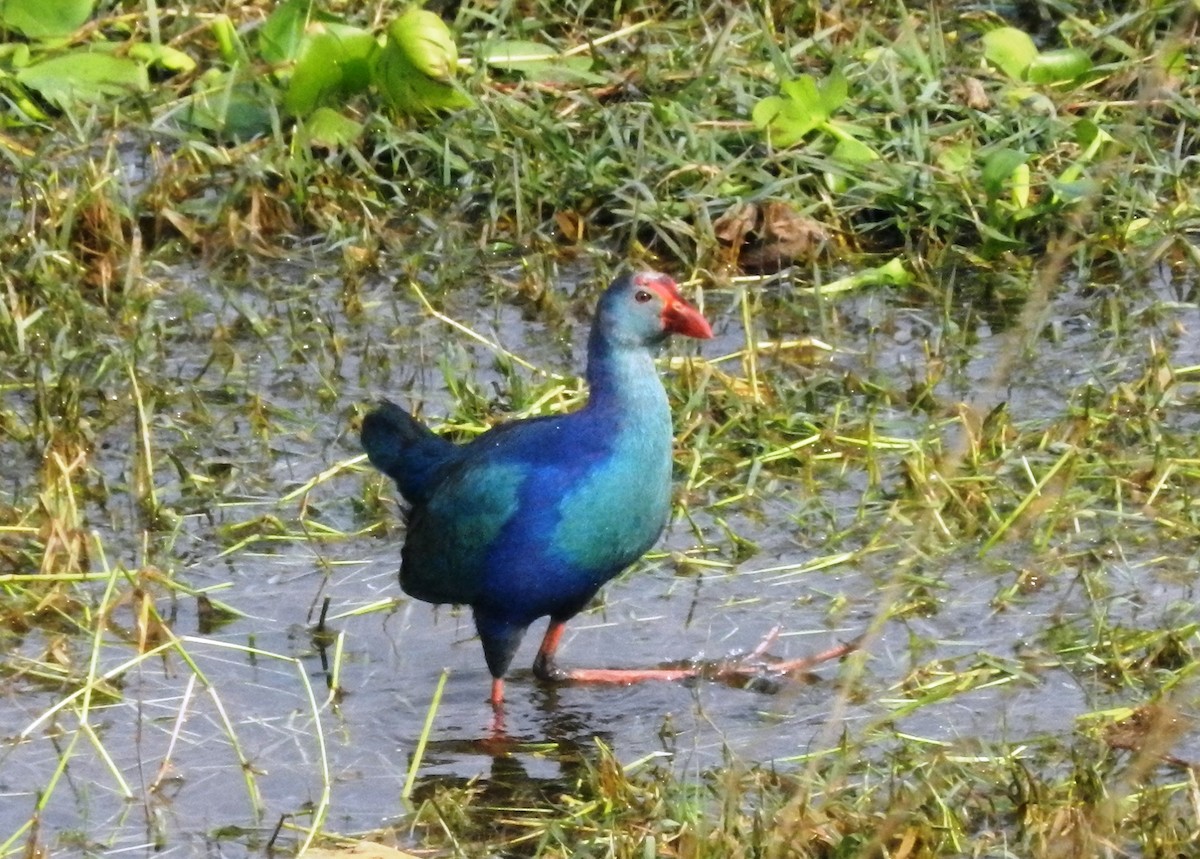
(281, 34)
(229, 44)
(517, 54)
(805, 96)
(784, 119)
(891, 273)
(1010, 50)
(1061, 66)
(335, 62)
(162, 56)
(414, 70)
(222, 102)
(834, 92)
(1019, 182)
(802, 106)
(327, 128)
(957, 157)
(536, 61)
(45, 19)
(84, 77)
(851, 150)
(426, 42)
(1091, 137)
(998, 169)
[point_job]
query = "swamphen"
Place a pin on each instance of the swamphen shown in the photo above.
(532, 517)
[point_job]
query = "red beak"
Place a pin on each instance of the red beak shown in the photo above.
(679, 317)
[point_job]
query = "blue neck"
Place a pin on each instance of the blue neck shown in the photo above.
(622, 376)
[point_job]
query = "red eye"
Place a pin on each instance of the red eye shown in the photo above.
(641, 296)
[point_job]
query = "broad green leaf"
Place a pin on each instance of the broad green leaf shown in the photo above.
(804, 94)
(426, 42)
(782, 120)
(84, 77)
(997, 240)
(1010, 50)
(891, 273)
(788, 117)
(329, 129)
(1019, 180)
(1090, 136)
(536, 61)
(45, 19)
(834, 92)
(335, 63)
(415, 68)
(957, 157)
(516, 54)
(999, 168)
(281, 34)
(225, 103)
(1061, 66)
(851, 150)
(164, 56)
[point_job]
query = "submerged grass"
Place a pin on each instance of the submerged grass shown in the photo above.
(177, 308)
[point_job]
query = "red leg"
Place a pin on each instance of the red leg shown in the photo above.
(543, 666)
(497, 693)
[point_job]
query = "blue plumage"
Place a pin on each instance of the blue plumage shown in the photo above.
(533, 517)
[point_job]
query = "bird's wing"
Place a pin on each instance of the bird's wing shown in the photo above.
(450, 534)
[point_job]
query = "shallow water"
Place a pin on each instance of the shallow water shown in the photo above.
(309, 363)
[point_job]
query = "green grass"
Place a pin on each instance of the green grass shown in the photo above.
(115, 213)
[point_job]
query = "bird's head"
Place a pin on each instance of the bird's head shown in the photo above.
(643, 308)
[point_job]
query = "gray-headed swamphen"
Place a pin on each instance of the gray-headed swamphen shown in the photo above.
(534, 516)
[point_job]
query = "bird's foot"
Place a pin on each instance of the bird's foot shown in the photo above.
(756, 665)
(737, 670)
(545, 668)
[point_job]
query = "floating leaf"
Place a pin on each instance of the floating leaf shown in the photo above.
(851, 150)
(426, 42)
(999, 168)
(163, 56)
(329, 129)
(84, 77)
(334, 63)
(535, 60)
(891, 273)
(516, 54)
(1019, 180)
(223, 102)
(957, 157)
(415, 68)
(1061, 66)
(802, 106)
(834, 92)
(45, 19)
(805, 97)
(1010, 50)
(281, 35)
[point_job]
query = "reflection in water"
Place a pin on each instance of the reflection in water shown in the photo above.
(554, 755)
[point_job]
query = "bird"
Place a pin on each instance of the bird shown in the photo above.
(532, 517)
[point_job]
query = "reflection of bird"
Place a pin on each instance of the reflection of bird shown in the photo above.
(533, 516)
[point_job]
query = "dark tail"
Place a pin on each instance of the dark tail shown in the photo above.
(405, 450)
